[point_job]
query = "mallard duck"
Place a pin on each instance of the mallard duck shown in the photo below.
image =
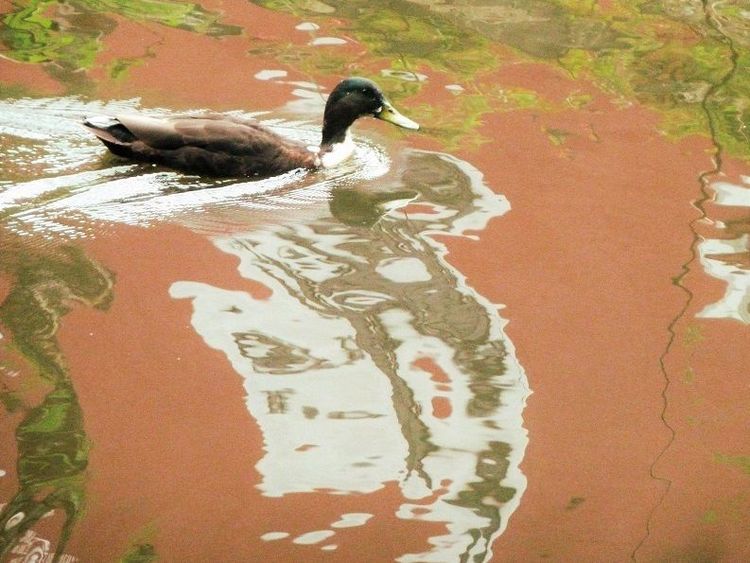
(220, 145)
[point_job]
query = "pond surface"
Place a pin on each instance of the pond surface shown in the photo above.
(519, 333)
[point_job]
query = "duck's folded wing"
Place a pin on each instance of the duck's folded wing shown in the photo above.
(156, 133)
(210, 133)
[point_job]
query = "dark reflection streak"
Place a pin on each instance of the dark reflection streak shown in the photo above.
(404, 403)
(704, 180)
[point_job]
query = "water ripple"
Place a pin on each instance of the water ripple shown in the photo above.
(84, 186)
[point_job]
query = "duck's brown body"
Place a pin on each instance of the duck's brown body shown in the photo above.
(215, 145)
(219, 145)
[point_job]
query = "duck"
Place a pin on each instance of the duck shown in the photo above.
(228, 146)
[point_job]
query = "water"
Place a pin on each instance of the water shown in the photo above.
(339, 365)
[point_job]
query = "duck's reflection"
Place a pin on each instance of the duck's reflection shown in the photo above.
(371, 360)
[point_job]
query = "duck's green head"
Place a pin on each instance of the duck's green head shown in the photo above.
(354, 98)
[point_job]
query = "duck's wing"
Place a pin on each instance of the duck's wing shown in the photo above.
(208, 144)
(213, 133)
(156, 133)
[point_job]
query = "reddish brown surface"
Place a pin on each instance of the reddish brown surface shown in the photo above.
(29, 76)
(707, 463)
(170, 77)
(196, 71)
(584, 262)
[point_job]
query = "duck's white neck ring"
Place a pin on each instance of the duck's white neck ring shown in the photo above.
(336, 153)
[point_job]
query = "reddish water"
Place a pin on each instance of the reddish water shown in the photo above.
(294, 358)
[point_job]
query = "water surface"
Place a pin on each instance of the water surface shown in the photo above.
(339, 365)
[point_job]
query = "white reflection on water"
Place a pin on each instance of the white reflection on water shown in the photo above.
(720, 257)
(337, 360)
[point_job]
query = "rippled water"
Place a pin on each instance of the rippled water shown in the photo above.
(394, 325)
(338, 365)
(725, 257)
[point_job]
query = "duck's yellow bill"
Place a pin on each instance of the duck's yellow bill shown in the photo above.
(388, 113)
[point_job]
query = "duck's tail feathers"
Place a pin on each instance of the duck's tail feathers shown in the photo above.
(109, 130)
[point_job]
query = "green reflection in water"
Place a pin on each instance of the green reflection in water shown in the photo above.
(412, 38)
(51, 441)
(68, 34)
(677, 56)
(406, 32)
(741, 462)
(142, 553)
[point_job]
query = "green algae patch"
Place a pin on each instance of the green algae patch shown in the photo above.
(67, 37)
(741, 462)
